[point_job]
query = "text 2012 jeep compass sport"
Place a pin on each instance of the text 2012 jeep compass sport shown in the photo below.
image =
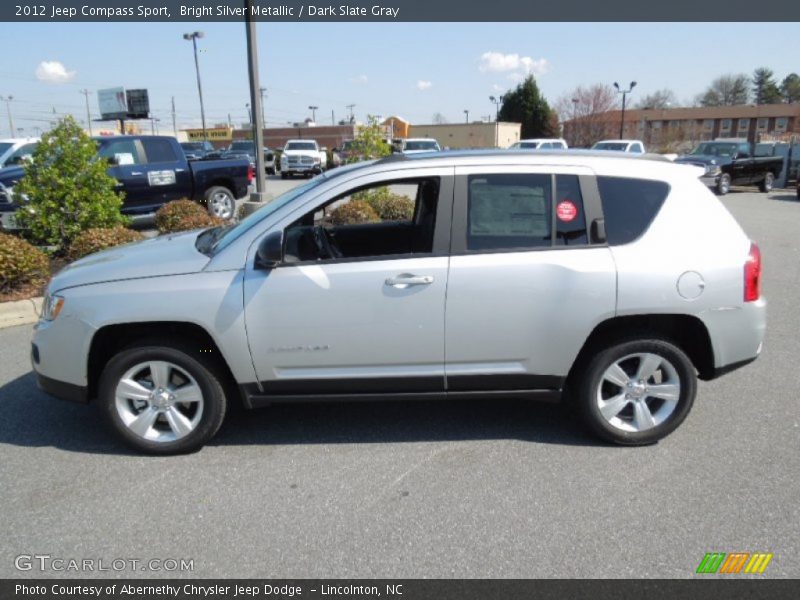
(614, 280)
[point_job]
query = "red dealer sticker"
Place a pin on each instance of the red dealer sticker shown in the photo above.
(566, 211)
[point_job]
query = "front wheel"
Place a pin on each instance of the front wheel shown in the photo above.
(724, 184)
(636, 392)
(162, 400)
(767, 183)
(220, 202)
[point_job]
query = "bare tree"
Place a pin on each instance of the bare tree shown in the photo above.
(728, 90)
(658, 99)
(439, 118)
(585, 108)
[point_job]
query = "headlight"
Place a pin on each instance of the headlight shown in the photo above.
(712, 170)
(52, 306)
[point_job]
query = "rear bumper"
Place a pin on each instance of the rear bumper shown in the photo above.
(737, 334)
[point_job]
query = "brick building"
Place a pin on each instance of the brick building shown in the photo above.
(672, 127)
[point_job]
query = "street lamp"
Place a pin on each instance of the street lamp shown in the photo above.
(497, 102)
(466, 112)
(624, 94)
(193, 37)
(7, 100)
(313, 110)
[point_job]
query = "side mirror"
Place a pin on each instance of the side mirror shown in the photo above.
(270, 251)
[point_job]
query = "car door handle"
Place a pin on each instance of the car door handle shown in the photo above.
(407, 280)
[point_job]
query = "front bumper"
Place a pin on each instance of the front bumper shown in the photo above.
(710, 180)
(62, 390)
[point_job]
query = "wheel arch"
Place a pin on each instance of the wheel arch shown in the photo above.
(687, 332)
(110, 339)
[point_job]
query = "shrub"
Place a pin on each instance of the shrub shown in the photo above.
(353, 212)
(184, 215)
(394, 208)
(20, 263)
(67, 187)
(97, 239)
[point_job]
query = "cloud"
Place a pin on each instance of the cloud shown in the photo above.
(498, 88)
(361, 79)
(52, 71)
(423, 85)
(497, 62)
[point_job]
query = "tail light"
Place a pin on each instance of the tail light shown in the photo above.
(752, 274)
(251, 173)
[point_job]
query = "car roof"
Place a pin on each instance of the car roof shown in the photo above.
(542, 140)
(619, 142)
(20, 140)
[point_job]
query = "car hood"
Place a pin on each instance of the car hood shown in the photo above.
(299, 152)
(703, 159)
(166, 255)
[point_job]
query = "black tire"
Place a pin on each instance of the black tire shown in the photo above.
(767, 183)
(227, 198)
(589, 379)
(724, 184)
(205, 374)
(270, 171)
(284, 175)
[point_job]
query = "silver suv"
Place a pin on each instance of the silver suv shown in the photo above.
(612, 281)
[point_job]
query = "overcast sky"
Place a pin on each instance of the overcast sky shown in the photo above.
(410, 69)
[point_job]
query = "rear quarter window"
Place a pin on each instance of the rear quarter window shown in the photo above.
(629, 206)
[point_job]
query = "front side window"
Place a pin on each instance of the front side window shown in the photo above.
(390, 219)
(120, 152)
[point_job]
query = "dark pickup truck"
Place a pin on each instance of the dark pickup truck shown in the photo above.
(734, 162)
(151, 171)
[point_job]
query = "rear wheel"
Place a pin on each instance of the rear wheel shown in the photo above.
(284, 175)
(724, 184)
(161, 400)
(636, 392)
(220, 202)
(767, 183)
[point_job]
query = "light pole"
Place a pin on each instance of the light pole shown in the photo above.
(193, 37)
(249, 113)
(88, 115)
(624, 95)
(466, 112)
(313, 110)
(8, 100)
(497, 102)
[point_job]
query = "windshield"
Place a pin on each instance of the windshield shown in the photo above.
(217, 239)
(300, 146)
(5, 147)
(192, 146)
(619, 146)
(715, 149)
(422, 146)
(242, 146)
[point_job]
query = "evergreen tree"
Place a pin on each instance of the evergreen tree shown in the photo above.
(525, 105)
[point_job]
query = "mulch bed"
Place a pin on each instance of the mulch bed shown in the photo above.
(34, 289)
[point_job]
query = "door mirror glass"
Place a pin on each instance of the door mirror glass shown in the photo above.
(270, 251)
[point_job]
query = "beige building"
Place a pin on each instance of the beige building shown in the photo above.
(469, 135)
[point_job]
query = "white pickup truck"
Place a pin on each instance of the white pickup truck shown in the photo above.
(303, 157)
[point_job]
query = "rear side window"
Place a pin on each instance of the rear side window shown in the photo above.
(570, 218)
(629, 206)
(509, 212)
(159, 151)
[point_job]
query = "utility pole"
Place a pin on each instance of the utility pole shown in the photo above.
(174, 125)
(8, 100)
(259, 195)
(350, 107)
(88, 115)
(333, 119)
(263, 92)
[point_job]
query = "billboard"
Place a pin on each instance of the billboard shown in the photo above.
(113, 103)
(138, 104)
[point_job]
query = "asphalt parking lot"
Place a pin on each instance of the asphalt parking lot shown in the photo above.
(457, 489)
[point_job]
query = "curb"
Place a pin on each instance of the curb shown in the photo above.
(20, 312)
